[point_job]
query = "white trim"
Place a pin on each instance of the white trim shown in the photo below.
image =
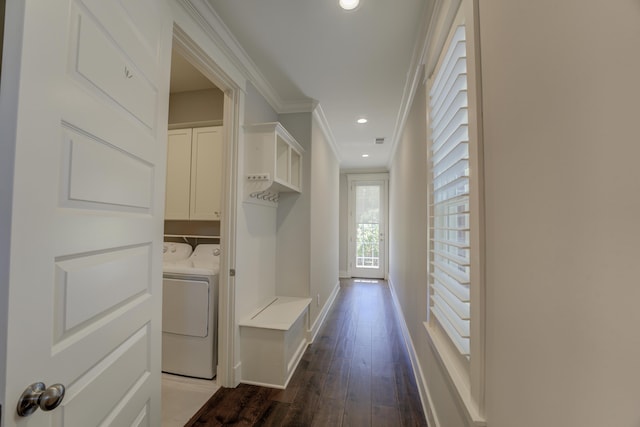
(203, 12)
(476, 198)
(455, 373)
(364, 177)
(196, 54)
(467, 379)
(425, 396)
(237, 373)
(185, 14)
(315, 328)
(414, 74)
(304, 105)
(9, 96)
(344, 274)
(318, 114)
(439, 27)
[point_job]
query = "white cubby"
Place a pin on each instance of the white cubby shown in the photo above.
(273, 163)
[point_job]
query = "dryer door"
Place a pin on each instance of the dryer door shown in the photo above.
(185, 307)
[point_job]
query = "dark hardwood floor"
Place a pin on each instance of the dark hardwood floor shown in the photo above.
(356, 373)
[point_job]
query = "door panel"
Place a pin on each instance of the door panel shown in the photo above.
(104, 64)
(126, 368)
(87, 286)
(178, 194)
(89, 177)
(206, 173)
(88, 205)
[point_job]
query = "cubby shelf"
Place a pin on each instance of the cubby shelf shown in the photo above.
(273, 163)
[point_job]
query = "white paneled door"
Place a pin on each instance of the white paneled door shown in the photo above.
(89, 81)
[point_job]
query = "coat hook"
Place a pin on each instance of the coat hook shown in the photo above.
(127, 73)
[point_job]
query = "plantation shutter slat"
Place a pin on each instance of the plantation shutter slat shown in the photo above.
(449, 149)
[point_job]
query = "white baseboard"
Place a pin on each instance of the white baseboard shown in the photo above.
(344, 274)
(237, 374)
(423, 390)
(311, 333)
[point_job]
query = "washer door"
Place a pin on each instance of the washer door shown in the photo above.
(185, 307)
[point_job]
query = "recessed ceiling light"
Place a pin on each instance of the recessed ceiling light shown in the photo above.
(365, 155)
(362, 120)
(349, 4)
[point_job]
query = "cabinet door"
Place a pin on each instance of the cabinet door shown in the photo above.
(178, 174)
(206, 173)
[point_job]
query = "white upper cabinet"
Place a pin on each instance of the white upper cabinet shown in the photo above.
(273, 161)
(194, 174)
(178, 174)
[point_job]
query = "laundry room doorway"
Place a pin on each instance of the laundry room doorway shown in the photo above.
(203, 109)
(200, 205)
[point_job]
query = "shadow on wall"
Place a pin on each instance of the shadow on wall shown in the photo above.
(192, 228)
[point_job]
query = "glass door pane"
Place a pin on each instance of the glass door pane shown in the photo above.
(368, 226)
(367, 237)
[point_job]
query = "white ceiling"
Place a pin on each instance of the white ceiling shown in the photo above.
(355, 64)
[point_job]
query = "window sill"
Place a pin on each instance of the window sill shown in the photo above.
(456, 373)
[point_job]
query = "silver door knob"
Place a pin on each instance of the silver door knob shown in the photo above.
(38, 395)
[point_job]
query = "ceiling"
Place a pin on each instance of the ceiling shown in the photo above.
(354, 64)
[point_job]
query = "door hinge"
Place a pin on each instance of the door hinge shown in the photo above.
(232, 272)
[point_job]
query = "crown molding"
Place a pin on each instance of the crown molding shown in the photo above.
(209, 20)
(321, 119)
(415, 72)
(305, 105)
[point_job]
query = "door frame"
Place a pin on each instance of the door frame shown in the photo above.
(352, 179)
(9, 94)
(193, 53)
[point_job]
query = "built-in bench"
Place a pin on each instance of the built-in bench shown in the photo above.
(273, 340)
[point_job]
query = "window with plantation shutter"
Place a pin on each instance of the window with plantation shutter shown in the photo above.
(450, 206)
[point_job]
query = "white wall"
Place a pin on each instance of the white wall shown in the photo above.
(307, 224)
(408, 254)
(294, 218)
(561, 91)
(408, 217)
(325, 200)
(560, 96)
(257, 109)
(255, 233)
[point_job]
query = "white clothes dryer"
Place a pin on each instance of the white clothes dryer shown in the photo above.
(189, 314)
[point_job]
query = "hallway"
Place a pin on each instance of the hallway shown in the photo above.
(356, 373)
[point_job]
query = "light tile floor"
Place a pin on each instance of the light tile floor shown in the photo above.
(182, 397)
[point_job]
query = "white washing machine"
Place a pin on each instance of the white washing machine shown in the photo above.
(175, 252)
(189, 312)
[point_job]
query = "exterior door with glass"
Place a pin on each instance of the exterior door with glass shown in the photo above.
(367, 228)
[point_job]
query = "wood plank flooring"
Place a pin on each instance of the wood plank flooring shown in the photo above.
(356, 373)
